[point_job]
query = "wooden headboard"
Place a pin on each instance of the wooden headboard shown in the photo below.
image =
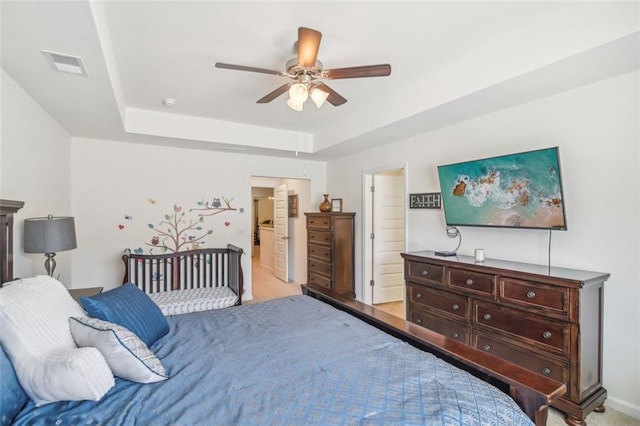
(7, 210)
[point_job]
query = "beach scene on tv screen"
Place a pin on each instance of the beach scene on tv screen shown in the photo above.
(517, 190)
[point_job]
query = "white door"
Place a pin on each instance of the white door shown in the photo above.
(388, 236)
(281, 233)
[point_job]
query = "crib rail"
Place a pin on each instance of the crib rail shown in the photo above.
(210, 267)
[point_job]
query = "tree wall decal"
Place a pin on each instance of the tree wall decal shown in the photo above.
(215, 207)
(180, 231)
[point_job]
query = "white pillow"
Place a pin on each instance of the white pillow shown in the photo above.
(127, 355)
(72, 374)
(34, 313)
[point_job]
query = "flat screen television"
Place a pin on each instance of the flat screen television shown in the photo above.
(521, 190)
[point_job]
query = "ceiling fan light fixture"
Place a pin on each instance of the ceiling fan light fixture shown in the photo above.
(308, 73)
(298, 92)
(295, 104)
(318, 96)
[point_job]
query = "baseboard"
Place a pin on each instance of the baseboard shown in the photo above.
(623, 406)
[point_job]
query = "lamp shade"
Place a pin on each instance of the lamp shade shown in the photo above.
(49, 234)
(298, 92)
(318, 96)
(295, 105)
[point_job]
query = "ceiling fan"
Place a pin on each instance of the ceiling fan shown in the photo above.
(308, 76)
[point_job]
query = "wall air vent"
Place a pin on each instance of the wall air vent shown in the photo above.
(65, 63)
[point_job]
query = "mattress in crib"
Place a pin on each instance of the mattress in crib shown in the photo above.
(194, 300)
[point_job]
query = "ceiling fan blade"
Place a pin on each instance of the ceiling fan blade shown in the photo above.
(271, 96)
(245, 68)
(381, 70)
(308, 45)
(334, 97)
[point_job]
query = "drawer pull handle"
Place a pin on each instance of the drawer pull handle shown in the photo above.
(487, 348)
(546, 371)
(418, 295)
(487, 316)
(469, 281)
(546, 334)
(531, 295)
(456, 335)
(455, 307)
(425, 273)
(419, 321)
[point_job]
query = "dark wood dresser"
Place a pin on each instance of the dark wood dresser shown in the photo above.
(330, 251)
(548, 320)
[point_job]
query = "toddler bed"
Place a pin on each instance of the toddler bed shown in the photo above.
(298, 361)
(188, 281)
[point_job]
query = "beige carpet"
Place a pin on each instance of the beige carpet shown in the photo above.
(610, 417)
(265, 285)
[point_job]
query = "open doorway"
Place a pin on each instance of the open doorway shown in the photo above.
(384, 220)
(279, 255)
(262, 226)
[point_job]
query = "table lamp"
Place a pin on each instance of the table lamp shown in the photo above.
(49, 235)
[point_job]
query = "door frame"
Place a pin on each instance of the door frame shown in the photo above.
(367, 250)
(298, 238)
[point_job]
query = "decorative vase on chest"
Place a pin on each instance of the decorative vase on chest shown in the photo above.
(325, 206)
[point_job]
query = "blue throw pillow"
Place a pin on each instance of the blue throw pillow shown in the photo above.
(131, 308)
(13, 396)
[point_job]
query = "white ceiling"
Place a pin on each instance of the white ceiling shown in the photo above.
(450, 61)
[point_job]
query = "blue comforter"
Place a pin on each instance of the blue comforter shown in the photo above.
(294, 361)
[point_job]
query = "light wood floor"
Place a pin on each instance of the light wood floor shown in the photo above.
(393, 308)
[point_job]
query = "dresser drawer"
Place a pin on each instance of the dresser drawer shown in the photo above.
(540, 364)
(319, 222)
(425, 271)
(475, 282)
(442, 301)
(439, 325)
(553, 335)
(319, 237)
(320, 280)
(319, 252)
(531, 295)
(318, 267)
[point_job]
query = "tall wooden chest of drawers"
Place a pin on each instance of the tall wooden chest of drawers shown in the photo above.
(330, 251)
(548, 320)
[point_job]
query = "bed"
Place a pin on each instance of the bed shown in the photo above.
(188, 281)
(312, 359)
(330, 368)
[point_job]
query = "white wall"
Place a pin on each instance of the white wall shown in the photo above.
(34, 168)
(596, 128)
(112, 181)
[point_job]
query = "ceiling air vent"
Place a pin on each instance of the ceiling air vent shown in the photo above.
(65, 63)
